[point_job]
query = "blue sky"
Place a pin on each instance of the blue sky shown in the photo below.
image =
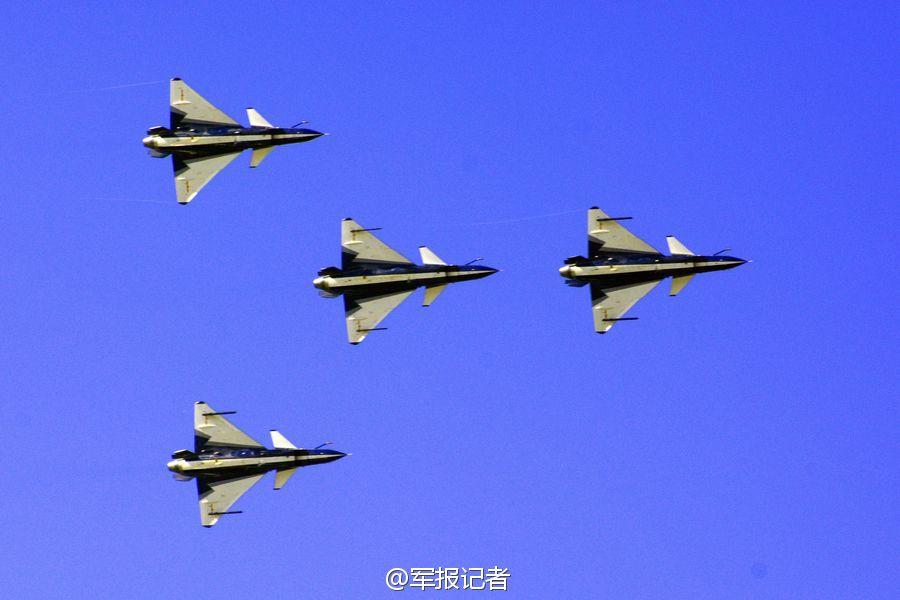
(739, 440)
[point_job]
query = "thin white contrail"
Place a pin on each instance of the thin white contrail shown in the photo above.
(129, 200)
(519, 219)
(109, 87)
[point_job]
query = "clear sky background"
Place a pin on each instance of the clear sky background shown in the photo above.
(738, 441)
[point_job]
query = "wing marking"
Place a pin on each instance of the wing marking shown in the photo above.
(213, 429)
(605, 234)
(363, 314)
(190, 108)
(359, 245)
(192, 174)
(611, 304)
(216, 497)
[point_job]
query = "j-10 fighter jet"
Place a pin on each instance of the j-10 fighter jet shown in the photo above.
(203, 140)
(226, 462)
(622, 268)
(374, 278)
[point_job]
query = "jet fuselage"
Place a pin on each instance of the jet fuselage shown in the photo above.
(210, 141)
(391, 279)
(221, 463)
(625, 269)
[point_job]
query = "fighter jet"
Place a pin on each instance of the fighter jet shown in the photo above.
(226, 462)
(203, 140)
(374, 278)
(621, 268)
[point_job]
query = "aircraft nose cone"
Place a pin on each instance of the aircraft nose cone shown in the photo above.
(484, 272)
(333, 456)
(310, 134)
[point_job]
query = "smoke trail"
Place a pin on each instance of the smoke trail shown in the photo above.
(520, 219)
(130, 200)
(109, 87)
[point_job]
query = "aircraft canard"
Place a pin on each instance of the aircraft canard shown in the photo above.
(203, 140)
(621, 268)
(226, 462)
(374, 278)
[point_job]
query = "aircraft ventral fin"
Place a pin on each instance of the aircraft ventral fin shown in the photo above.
(259, 154)
(360, 246)
(216, 497)
(190, 108)
(213, 429)
(281, 477)
(611, 304)
(363, 314)
(192, 174)
(605, 234)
